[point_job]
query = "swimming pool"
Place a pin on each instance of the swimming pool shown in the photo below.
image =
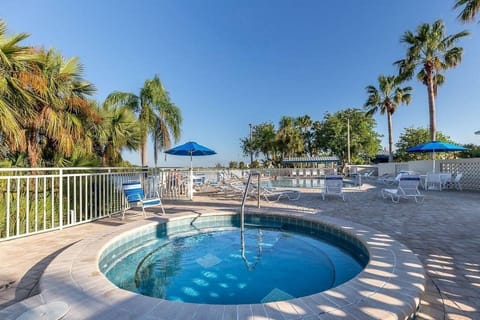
(204, 261)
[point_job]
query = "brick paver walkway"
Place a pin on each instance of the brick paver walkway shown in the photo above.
(442, 231)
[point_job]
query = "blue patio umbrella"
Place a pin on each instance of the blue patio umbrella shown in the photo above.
(191, 149)
(436, 146)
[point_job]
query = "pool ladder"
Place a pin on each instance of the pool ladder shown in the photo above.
(245, 194)
(249, 265)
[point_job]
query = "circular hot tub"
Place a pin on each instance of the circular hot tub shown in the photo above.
(389, 286)
(212, 261)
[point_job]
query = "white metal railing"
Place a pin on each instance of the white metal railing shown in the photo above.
(40, 199)
(35, 200)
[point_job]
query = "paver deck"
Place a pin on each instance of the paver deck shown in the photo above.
(442, 232)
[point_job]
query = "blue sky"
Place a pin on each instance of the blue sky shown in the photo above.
(230, 63)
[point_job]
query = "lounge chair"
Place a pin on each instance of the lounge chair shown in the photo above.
(368, 174)
(407, 188)
(268, 193)
(136, 197)
(333, 186)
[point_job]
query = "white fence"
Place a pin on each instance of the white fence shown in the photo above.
(39, 200)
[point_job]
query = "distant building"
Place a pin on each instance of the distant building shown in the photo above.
(320, 161)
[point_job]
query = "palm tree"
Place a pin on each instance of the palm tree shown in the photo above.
(157, 115)
(59, 105)
(14, 65)
(469, 11)
(385, 100)
(116, 131)
(289, 137)
(431, 52)
(304, 123)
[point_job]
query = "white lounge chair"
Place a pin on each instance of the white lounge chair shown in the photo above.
(407, 188)
(333, 186)
(136, 197)
(268, 193)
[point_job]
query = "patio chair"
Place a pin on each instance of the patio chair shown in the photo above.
(368, 174)
(433, 181)
(456, 181)
(333, 186)
(407, 188)
(271, 192)
(136, 197)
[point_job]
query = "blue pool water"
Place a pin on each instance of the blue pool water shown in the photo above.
(209, 266)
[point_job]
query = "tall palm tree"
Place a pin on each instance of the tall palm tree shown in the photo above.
(59, 105)
(157, 115)
(289, 137)
(385, 99)
(469, 11)
(304, 123)
(431, 52)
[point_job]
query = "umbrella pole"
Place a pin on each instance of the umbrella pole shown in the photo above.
(190, 180)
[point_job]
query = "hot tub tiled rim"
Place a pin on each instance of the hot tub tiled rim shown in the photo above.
(392, 266)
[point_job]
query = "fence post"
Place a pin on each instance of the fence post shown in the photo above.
(60, 199)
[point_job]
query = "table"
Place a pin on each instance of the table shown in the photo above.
(435, 181)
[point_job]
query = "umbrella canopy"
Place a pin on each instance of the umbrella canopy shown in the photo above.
(436, 146)
(190, 148)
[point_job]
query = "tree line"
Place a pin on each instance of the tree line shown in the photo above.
(47, 116)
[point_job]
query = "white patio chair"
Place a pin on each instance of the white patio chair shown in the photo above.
(407, 188)
(333, 186)
(456, 182)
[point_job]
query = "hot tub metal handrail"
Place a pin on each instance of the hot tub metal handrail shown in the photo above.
(245, 193)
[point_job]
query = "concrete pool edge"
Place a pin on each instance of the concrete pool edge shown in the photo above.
(389, 287)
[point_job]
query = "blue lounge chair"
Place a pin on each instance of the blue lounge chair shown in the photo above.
(134, 194)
